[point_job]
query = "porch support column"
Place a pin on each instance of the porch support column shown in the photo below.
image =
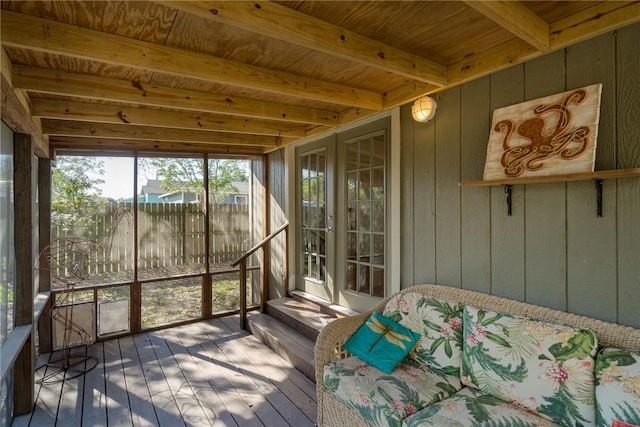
(44, 238)
(24, 296)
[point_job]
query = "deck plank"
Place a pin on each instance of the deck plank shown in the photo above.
(301, 393)
(45, 411)
(200, 374)
(257, 369)
(70, 405)
(94, 407)
(224, 377)
(144, 415)
(118, 407)
(263, 408)
(167, 411)
(191, 411)
(186, 349)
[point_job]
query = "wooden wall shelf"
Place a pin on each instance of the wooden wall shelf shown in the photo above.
(597, 176)
(606, 174)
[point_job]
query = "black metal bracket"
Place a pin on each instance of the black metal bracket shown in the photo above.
(599, 197)
(508, 189)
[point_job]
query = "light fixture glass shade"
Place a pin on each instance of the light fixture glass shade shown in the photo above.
(423, 109)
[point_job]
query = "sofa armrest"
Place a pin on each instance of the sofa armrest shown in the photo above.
(329, 343)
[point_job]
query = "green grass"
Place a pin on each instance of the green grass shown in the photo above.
(172, 301)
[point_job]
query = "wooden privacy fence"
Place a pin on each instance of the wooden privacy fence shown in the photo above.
(169, 235)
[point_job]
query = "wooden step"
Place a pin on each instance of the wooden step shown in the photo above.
(322, 305)
(299, 316)
(284, 341)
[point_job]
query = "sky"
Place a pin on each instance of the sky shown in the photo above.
(118, 177)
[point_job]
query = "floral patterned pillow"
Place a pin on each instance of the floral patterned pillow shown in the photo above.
(545, 368)
(439, 324)
(618, 387)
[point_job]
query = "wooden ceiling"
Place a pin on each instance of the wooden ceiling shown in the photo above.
(244, 78)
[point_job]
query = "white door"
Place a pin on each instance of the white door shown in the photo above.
(315, 238)
(362, 212)
(342, 196)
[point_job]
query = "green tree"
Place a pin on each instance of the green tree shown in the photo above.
(184, 174)
(74, 191)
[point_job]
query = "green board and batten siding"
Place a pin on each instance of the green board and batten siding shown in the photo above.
(554, 250)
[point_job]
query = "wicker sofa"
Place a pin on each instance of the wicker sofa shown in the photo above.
(332, 411)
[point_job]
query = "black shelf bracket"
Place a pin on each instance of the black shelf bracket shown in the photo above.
(508, 189)
(599, 197)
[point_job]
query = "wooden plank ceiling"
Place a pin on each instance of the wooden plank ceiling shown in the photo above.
(244, 78)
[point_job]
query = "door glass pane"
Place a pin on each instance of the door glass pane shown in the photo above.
(377, 217)
(352, 185)
(352, 157)
(312, 198)
(352, 246)
(363, 279)
(378, 150)
(366, 215)
(351, 281)
(363, 216)
(365, 154)
(377, 183)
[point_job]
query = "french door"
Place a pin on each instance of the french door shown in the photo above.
(341, 198)
(315, 238)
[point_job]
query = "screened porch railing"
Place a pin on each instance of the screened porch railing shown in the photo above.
(264, 285)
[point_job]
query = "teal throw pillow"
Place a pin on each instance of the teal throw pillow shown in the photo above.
(382, 342)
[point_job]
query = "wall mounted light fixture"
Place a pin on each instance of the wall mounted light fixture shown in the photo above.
(423, 109)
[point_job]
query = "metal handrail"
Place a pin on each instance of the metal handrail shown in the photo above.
(264, 288)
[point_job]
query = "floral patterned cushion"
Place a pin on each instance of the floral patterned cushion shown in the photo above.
(381, 342)
(471, 407)
(439, 324)
(544, 368)
(385, 400)
(618, 386)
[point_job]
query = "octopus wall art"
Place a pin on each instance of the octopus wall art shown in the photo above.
(548, 136)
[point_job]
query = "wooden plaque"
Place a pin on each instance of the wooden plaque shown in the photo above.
(546, 136)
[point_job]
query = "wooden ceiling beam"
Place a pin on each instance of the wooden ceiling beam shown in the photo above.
(100, 88)
(123, 131)
(286, 24)
(109, 113)
(93, 146)
(516, 18)
(15, 110)
(597, 20)
(42, 35)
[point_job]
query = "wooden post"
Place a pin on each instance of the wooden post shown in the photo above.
(285, 279)
(135, 291)
(24, 203)
(207, 292)
(266, 249)
(243, 294)
(44, 238)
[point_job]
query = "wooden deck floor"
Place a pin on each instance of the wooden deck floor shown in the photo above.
(208, 373)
